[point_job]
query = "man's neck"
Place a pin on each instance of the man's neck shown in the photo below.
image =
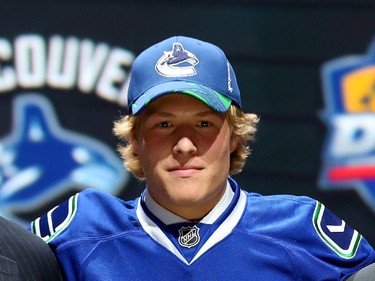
(169, 217)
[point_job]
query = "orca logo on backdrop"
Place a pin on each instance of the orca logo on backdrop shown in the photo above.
(349, 155)
(39, 160)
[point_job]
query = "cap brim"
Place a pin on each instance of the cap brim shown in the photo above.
(208, 96)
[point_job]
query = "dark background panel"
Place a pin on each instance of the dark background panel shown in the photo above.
(285, 90)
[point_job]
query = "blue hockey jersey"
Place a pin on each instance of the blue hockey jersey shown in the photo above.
(97, 236)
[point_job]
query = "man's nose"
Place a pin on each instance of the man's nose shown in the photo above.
(184, 146)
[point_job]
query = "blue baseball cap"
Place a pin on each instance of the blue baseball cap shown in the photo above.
(183, 65)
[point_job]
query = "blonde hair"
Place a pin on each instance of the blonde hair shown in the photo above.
(243, 126)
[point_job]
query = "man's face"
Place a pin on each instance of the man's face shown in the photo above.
(184, 147)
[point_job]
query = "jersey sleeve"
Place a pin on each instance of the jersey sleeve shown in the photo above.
(338, 243)
(327, 241)
(54, 226)
(63, 225)
(74, 228)
(318, 241)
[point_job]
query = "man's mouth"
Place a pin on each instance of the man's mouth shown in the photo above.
(186, 171)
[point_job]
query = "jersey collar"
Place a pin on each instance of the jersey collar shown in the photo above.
(219, 223)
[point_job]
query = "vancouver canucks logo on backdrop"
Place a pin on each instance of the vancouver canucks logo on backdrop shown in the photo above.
(349, 156)
(177, 63)
(40, 160)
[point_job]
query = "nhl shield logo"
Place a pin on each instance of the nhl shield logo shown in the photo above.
(188, 236)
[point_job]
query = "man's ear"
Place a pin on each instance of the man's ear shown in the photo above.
(233, 143)
(134, 143)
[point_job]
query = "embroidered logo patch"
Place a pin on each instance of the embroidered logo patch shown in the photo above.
(334, 232)
(50, 225)
(188, 236)
(177, 63)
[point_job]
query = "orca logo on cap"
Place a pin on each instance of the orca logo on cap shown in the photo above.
(177, 63)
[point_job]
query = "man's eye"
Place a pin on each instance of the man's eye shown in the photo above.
(204, 124)
(164, 124)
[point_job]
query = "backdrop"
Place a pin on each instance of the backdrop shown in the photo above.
(305, 67)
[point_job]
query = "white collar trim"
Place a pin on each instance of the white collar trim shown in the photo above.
(221, 232)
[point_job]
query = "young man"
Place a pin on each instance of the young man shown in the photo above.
(185, 135)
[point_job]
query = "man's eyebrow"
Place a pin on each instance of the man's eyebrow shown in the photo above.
(169, 114)
(208, 112)
(159, 113)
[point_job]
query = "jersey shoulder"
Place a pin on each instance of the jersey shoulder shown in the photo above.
(278, 215)
(300, 221)
(90, 213)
